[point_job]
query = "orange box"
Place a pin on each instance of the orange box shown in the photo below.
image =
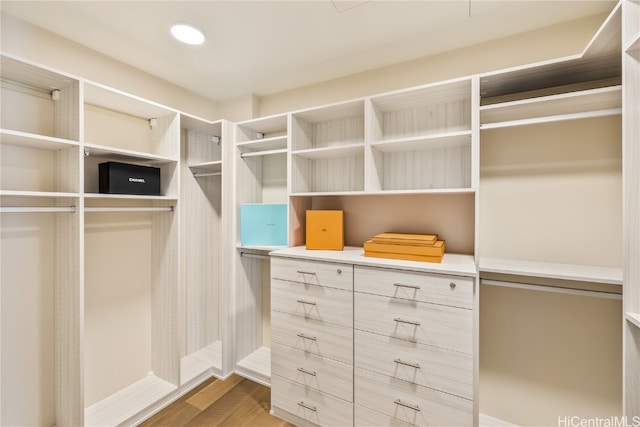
(436, 250)
(406, 257)
(325, 230)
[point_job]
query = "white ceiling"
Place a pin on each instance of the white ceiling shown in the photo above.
(264, 47)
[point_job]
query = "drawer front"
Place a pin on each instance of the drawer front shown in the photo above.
(438, 289)
(327, 305)
(322, 374)
(326, 340)
(431, 324)
(364, 417)
(313, 272)
(433, 367)
(309, 404)
(409, 402)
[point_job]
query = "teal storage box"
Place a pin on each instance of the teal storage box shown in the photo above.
(263, 224)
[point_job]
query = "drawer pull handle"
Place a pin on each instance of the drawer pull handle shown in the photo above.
(404, 285)
(412, 365)
(306, 406)
(303, 336)
(410, 322)
(304, 371)
(407, 405)
(307, 272)
(301, 301)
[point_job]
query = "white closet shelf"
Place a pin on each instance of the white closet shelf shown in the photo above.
(260, 247)
(331, 152)
(207, 167)
(126, 403)
(201, 361)
(104, 151)
(551, 119)
(115, 100)
(585, 101)
(256, 366)
(52, 194)
(33, 76)
(453, 90)
(423, 142)
(339, 111)
(30, 140)
(581, 273)
(634, 46)
(634, 318)
(263, 153)
(105, 196)
(264, 144)
(267, 124)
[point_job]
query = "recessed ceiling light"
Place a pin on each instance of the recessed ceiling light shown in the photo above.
(187, 34)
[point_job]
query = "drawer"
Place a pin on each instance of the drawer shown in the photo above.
(444, 370)
(313, 272)
(319, 373)
(455, 291)
(309, 404)
(326, 340)
(431, 324)
(409, 402)
(327, 305)
(365, 417)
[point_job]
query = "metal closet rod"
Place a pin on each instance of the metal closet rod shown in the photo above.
(549, 288)
(71, 209)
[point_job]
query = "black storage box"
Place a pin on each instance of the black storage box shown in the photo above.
(123, 178)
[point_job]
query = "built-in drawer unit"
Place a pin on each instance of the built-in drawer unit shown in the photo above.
(455, 291)
(431, 324)
(411, 403)
(309, 404)
(313, 273)
(436, 368)
(326, 305)
(322, 374)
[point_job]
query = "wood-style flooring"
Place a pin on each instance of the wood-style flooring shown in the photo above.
(236, 402)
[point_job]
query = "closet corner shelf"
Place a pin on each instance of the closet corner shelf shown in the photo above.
(125, 155)
(24, 139)
(256, 366)
(207, 167)
(633, 318)
(581, 273)
(262, 145)
(126, 403)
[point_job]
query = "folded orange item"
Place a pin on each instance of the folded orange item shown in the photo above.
(405, 239)
(406, 257)
(436, 250)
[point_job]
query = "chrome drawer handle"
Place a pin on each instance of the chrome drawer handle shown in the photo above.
(404, 285)
(304, 371)
(412, 365)
(301, 301)
(303, 336)
(306, 272)
(407, 405)
(305, 406)
(410, 322)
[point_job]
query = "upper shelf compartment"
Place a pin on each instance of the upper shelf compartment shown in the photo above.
(263, 136)
(118, 120)
(39, 102)
(202, 144)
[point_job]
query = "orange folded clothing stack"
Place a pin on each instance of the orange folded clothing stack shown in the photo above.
(412, 247)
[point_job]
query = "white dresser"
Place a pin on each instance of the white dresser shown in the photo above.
(366, 341)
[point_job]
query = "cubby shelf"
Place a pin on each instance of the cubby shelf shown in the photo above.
(423, 142)
(566, 106)
(330, 152)
(25, 139)
(582, 273)
(113, 153)
(276, 143)
(207, 167)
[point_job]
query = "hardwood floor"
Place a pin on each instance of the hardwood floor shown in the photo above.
(235, 402)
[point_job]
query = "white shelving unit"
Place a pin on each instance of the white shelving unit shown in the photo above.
(327, 149)
(631, 212)
(206, 323)
(261, 150)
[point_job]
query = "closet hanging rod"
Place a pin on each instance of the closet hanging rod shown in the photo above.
(256, 256)
(129, 209)
(556, 289)
(36, 209)
(201, 174)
